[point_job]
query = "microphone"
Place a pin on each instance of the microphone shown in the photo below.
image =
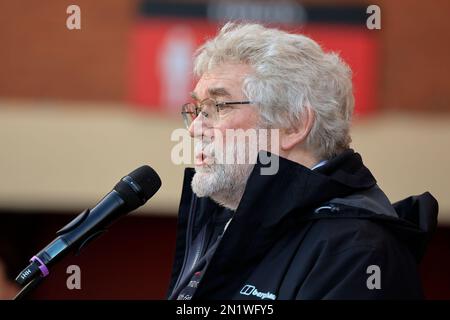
(131, 192)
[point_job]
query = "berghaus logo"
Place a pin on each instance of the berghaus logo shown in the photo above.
(250, 290)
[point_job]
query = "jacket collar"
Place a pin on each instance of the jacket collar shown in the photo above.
(271, 202)
(295, 186)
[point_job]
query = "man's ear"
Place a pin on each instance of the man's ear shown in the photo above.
(291, 137)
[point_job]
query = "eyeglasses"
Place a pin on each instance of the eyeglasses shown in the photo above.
(209, 109)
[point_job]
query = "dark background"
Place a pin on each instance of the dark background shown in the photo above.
(133, 260)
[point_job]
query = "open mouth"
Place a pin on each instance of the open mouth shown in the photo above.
(203, 160)
(204, 155)
(200, 159)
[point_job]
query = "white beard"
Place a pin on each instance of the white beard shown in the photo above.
(223, 183)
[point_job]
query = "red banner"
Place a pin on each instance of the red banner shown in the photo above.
(162, 52)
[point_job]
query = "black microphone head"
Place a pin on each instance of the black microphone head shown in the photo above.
(138, 186)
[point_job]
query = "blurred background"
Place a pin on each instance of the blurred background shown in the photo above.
(79, 109)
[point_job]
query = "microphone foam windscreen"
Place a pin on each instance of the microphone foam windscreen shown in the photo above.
(138, 186)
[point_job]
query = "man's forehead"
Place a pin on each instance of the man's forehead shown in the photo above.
(224, 82)
(227, 72)
(212, 91)
(218, 81)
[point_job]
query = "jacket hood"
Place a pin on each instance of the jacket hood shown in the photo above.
(419, 216)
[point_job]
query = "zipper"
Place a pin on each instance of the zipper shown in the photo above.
(199, 249)
(331, 207)
(188, 239)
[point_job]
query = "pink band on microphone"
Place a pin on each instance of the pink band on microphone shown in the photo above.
(42, 266)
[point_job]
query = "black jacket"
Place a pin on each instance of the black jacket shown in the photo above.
(328, 233)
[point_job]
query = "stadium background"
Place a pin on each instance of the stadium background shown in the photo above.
(81, 108)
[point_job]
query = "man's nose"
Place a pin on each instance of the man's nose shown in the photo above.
(197, 128)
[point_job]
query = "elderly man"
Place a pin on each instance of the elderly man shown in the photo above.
(316, 227)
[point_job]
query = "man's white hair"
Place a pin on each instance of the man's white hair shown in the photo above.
(291, 73)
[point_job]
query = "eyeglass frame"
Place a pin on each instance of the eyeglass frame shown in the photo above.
(219, 106)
